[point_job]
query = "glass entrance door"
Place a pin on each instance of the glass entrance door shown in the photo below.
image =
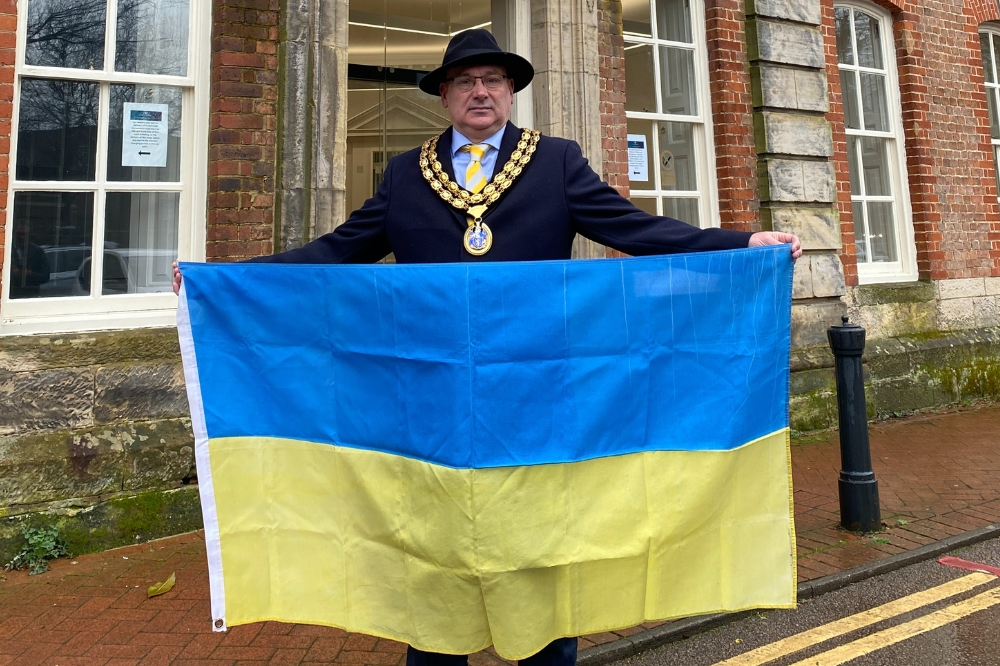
(392, 45)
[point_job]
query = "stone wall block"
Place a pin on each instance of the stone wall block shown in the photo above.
(986, 311)
(140, 392)
(811, 319)
(779, 87)
(46, 400)
(797, 181)
(895, 292)
(77, 350)
(805, 11)
(817, 228)
(793, 134)
(161, 452)
(992, 285)
(894, 319)
(827, 275)
(961, 288)
(820, 182)
(956, 313)
(802, 285)
(785, 43)
(61, 465)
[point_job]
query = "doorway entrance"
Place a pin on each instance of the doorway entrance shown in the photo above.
(392, 45)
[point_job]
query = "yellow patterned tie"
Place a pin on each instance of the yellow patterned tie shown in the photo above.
(475, 180)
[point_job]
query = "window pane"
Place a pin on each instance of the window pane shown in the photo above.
(51, 241)
(875, 163)
(645, 204)
(677, 157)
(849, 93)
(858, 209)
(640, 143)
(635, 17)
(845, 48)
(984, 47)
(140, 241)
(852, 166)
(677, 76)
(673, 20)
(163, 161)
(57, 130)
(996, 45)
(152, 36)
(640, 79)
(867, 31)
(882, 231)
(65, 33)
(875, 103)
(685, 210)
(991, 103)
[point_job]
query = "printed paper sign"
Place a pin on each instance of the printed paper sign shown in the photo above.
(144, 135)
(637, 168)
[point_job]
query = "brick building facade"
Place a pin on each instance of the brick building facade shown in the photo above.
(865, 128)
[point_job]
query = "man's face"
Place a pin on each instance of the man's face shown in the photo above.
(480, 112)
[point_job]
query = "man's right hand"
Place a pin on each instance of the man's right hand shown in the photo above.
(177, 279)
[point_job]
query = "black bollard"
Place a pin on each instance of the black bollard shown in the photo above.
(859, 508)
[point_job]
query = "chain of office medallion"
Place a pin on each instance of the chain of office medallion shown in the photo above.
(462, 199)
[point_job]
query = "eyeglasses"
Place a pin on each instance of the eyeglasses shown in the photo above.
(467, 83)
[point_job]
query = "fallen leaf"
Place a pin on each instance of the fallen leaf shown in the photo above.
(160, 588)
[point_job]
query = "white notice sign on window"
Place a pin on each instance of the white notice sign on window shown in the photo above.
(637, 157)
(144, 135)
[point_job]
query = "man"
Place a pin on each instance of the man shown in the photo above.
(486, 190)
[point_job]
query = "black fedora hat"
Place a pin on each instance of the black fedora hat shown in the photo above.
(478, 47)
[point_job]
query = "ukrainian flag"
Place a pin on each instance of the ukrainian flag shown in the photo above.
(461, 455)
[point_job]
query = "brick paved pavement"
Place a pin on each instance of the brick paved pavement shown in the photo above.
(939, 475)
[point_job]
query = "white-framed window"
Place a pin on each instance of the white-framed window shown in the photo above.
(883, 227)
(989, 43)
(109, 150)
(671, 156)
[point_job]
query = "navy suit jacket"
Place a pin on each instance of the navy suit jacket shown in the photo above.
(556, 197)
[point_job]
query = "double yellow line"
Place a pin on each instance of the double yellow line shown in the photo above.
(880, 639)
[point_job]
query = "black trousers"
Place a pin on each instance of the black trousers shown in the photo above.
(561, 652)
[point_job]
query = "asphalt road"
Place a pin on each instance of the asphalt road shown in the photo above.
(954, 620)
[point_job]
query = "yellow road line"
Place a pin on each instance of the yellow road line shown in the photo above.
(893, 635)
(866, 618)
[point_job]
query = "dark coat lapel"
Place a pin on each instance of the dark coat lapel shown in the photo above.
(444, 153)
(511, 136)
(444, 157)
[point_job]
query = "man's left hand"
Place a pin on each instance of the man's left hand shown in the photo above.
(762, 238)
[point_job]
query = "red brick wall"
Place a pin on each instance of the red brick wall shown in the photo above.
(243, 129)
(8, 40)
(953, 193)
(984, 10)
(732, 115)
(614, 125)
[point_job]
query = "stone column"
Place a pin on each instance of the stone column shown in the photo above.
(567, 86)
(798, 190)
(313, 125)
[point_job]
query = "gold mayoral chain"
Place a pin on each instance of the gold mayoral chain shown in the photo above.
(478, 237)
